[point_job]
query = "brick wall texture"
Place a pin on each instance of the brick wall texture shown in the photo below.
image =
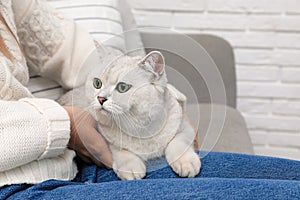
(265, 36)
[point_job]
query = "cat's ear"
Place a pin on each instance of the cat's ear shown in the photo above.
(154, 62)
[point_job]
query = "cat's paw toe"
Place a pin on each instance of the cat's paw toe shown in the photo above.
(188, 165)
(130, 175)
(130, 171)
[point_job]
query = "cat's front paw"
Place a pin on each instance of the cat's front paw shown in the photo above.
(188, 165)
(131, 170)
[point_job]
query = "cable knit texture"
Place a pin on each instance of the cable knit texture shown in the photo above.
(36, 36)
(34, 133)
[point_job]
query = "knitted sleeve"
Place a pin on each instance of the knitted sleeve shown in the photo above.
(55, 47)
(10, 86)
(31, 129)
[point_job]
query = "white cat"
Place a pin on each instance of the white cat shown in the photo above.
(141, 116)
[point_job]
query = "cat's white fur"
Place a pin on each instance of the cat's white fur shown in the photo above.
(146, 122)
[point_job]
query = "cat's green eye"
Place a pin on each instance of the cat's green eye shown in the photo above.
(123, 87)
(97, 83)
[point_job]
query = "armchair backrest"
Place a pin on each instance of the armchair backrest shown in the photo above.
(219, 50)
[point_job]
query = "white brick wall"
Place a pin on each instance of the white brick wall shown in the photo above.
(265, 35)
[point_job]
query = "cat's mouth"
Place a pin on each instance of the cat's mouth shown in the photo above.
(103, 110)
(99, 108)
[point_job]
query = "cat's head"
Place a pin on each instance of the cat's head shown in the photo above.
(129, 86)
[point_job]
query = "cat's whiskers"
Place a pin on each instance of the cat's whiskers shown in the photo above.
(128, 121)
(116, 119)
(112, 127)
(132, 127)
(133, 118)
(135, 128)
(138, 121)
(114, 108)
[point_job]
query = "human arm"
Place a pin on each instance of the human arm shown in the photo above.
(54, 46)
(196, 140)
(23, 139)
(31, 129)
(85, 139)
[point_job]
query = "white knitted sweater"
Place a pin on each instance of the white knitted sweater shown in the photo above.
(34, 132)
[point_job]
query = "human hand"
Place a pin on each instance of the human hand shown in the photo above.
(196, 140)
(89, 145)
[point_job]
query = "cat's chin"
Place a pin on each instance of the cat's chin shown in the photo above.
(103, 116)
(104, 111)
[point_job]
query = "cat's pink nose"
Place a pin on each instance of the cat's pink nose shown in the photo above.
(101, 100)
